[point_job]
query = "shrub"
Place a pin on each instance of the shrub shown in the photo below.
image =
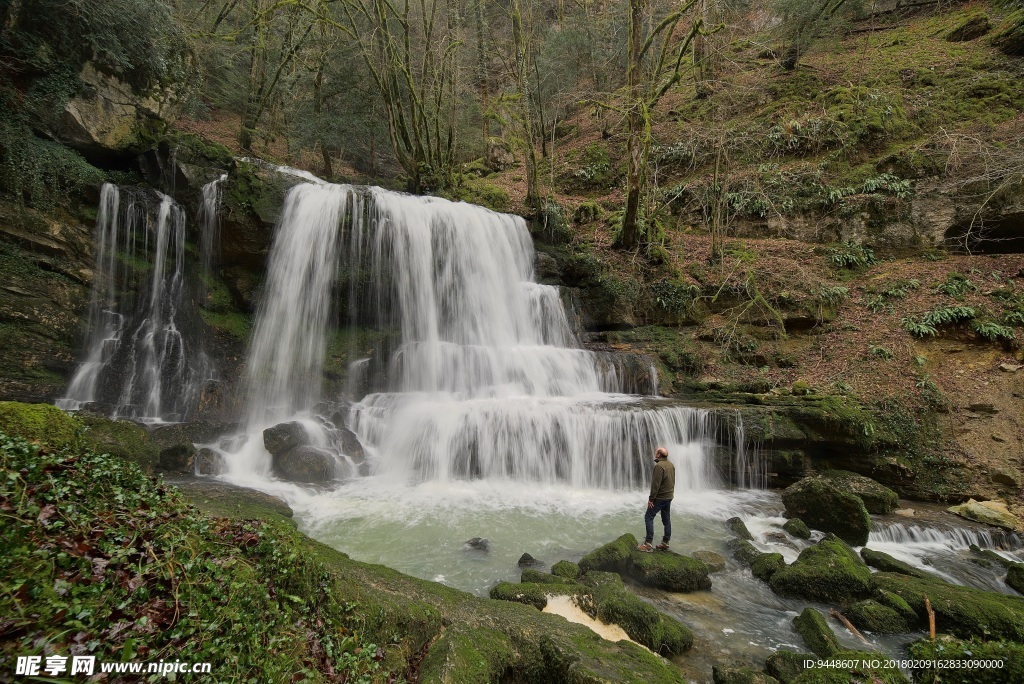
(850, 255)
(956, 285)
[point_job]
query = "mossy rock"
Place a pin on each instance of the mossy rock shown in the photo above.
(786, 665)
(825, 506)
(612, 557)
(714, 561)
(531, 576)
(767, 565)
(739, 528)
(1015, 577)
(740, 675)
(743, 551)
(798, 528)
(1009, 37)
(566, 570)
(886, 563)
(819, 637)
(896, 603)
(877, 497)
(615, 604)
(946, 647)
(39, 423)
(872, 616)
(464, 655)
(121, 438)
(829, 572)
(973, 26)
(962, 611)
(535, 595)
(668, 571)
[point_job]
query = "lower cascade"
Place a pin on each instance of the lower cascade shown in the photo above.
(483, 376)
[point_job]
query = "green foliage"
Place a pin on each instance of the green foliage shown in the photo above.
(39, 172)
(595, 170)
(93, 549)
(881, 352)
(901, 288)
(833, 294)
(851, 255)
(956, 285)
(992, 331)
(918, 328)
(977, 649)
(946, 315)
(673, 296)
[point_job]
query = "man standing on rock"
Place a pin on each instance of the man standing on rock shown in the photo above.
(663, 485)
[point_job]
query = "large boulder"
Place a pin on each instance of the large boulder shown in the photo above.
(121, 438)
(819, 637)
(766, 565)
(668, 571)
(641, 621)
(823, 505)
(829, 572)
(739, 528)
(566, 570)
(612, 557)
(963, 611)
(351, 446)
(306, 464)
(798, 528)
(786, 665)
(877, 498)
(871, 616)
(285, 436)
(39, 423)
(743, 551)
(993, 513)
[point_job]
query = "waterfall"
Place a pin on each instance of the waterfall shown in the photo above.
(485, 377)
(138, 361)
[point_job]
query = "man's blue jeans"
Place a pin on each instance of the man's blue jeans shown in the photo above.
(660, 506)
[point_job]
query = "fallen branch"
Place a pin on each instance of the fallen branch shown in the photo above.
(931, 618)
(846, 623)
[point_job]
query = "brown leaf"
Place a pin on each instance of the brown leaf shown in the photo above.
(48, 511)
(99, 566)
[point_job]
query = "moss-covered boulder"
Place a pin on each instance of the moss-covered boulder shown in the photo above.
(668, 571)
(886, 563)
(531, 576)
(739, 528)
(566, 570)
(1015, 577)
(463, 654)
(740, 675)
(819, 637)
(121, 438)
(798, 528)
(871, 616)
(1009, 37)
(642, 622)
(39, 423)
(743, 551)
(786, 665)
(877, 497)
(535, 595)
(612, 557)
(177, 452)
(823, 505)
(829, 572)
(962, 611)
(896, 603)
(973, 26)
(950, 648)
(766, 565)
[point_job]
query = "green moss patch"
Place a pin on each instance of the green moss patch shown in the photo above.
(886, 563)
(39, 423)
(872, 616)
(826, 506)
(819, 637)
(829, 572)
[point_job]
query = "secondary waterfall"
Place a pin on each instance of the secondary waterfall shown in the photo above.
(484, 377)
(138, 363)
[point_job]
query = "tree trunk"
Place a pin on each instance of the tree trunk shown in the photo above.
(523, 84)
(629, 237)
(702, 53)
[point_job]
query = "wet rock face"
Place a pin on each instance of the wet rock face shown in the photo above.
(824, 506)
(306, 464)
(989, 512)
(285, 436)
(177, 452)
(877, 498)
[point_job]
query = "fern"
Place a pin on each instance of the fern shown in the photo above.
(948, 314)
(881, 352)
(851, 255)
(992, 331)
(919, 328)
(1014, 317)
(956, 285)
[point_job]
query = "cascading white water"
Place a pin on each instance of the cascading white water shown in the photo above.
(485, 379)
(136, 348)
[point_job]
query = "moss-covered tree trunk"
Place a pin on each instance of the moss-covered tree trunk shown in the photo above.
(636, 115)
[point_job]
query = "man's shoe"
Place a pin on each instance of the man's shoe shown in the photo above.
(662, 546)
(645, 547)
